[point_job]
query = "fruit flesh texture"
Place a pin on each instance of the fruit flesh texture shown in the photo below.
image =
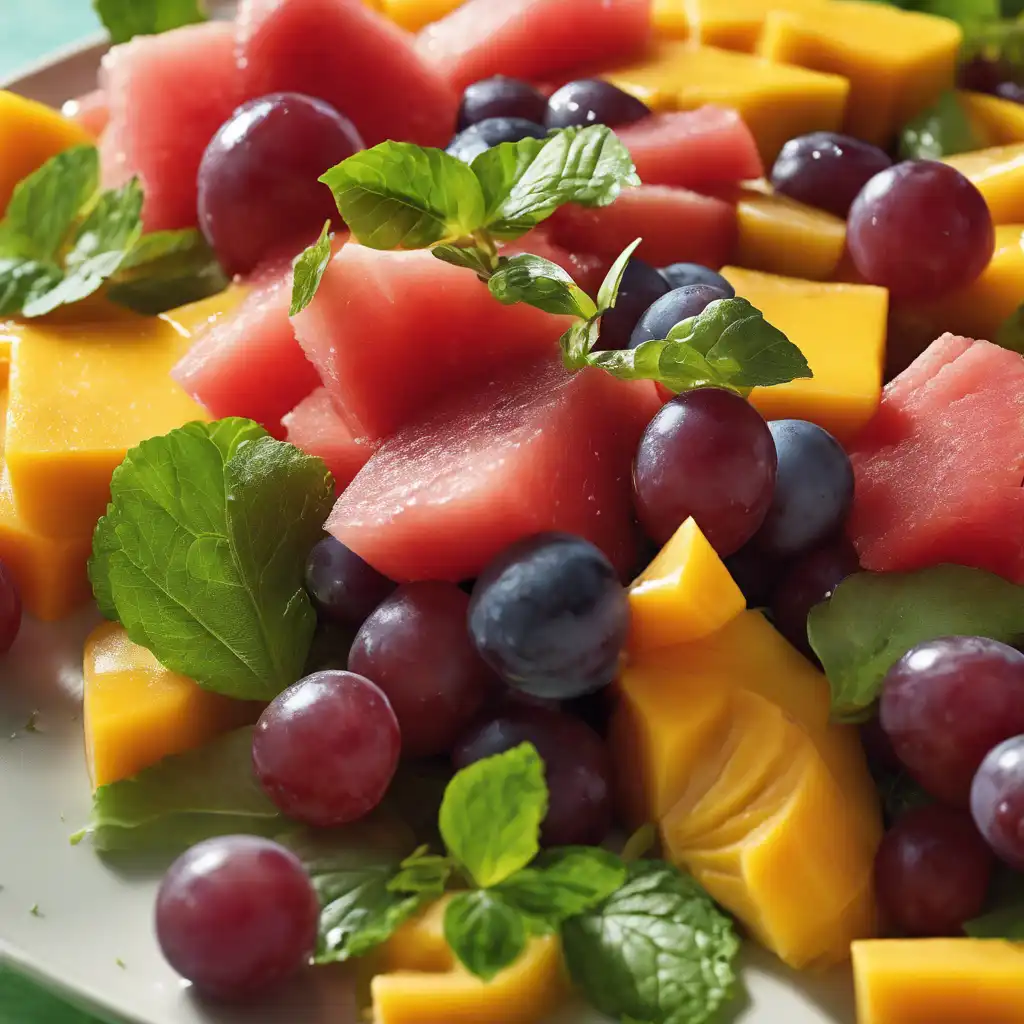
(938, 981)
(420, 980)
(998, 174)
(137, 712)
(730, 24)
(897, 62)
(534, 449)
(841, 329)
(939, 467)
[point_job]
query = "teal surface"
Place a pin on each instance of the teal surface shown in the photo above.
(30, 29)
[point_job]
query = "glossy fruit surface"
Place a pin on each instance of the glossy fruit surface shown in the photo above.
(480, 137)
(501, 97)
(997, 800)
(641, 286)
(672, 308)
(679, 275)
(343, 587)
(592, 101)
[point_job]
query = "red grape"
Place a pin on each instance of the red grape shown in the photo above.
(327, 748)
(946, 703)
(343, 587)
(10, 609)
(236, 916)
(416, 648)
(707, 454)
(593, 101)
(878, 748)
(997, 800)
(920, 229)
(932, 871)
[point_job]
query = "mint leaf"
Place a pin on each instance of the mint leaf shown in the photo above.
(1011, 332)
(658, 950)
(202, 553)
(23, 282)
(498, 169)
(491, 813)
(578, 342)
(484, 932)
(608, 293)
(310, 266)
(24, 1002)
(676, 365)
(562, 883)
(942, 130)
(401, 196)
(873, 619)
(471, 257)
(210, 791)
(422, 873)
(541, 283)
(125, 19)
(1002, 923)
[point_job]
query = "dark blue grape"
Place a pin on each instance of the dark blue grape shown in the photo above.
(593, 101)
(343, 587)
(672, 308)
(501, 97)
(813, 490)
(679, 275)
(480, 137)
(641, 286)
(550, 616)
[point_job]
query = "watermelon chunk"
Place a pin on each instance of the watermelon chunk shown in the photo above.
(533, 39)
(352, 57)
(91, 111)
(391, 332)
(168, 95)
(535, 449)
(676, 226)
(939, 469)
(315, 426)
(247, 362)
(692, 148)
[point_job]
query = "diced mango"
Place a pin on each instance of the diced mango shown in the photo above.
(730, 24)
(137, 712)
(414, 14)
(30, 133)
(939, 981)
(841, 329)
(777, 101)
(998, 174)
(197, 316)
(422, 982)
(1000, 120)
(684, 594)
(898, 62)
(781, 236)
(80, 396)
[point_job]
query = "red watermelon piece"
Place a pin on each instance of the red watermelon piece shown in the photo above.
(392, 332)
(676, 226)
(343, 52)
(939, 468)
(168, 95)
(533, 39)
(315, 426)
(693, 148)
(536, 448)
(248, 363)
(91, 111)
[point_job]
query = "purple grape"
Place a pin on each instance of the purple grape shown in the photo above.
(673, 308)
(679, 275)
(501, 97)
(641, 286)
(997, 800)
(482, 136)
(593, 101)
(344, 588)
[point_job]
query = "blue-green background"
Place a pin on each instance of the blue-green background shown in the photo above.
(29, 29)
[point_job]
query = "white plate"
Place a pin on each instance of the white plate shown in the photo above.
(93, 915)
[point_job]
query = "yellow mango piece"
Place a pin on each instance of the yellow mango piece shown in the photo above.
(939, 981)
(684, 594)
(730, 24)
(81, 395)
(30, 133)
(1000, 120)
(777, 101)
(897, 62)
(137, 712)
(414, 14)
(187, 320)
(422, 982)
(841, 330)
(781, 236)
(998, 174)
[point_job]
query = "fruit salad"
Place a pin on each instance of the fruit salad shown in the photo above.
(551, 475)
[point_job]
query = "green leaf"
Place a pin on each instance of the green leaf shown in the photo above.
(471, 257)
(422, 873)
(674, 364)
(578, 341)
(498, 169)
(873, 619)
(484, 932)
(401, 196)
(23, 1002)
(491, 813)
(541, 283)
(562, 883)
(310, 266)
(213, 523)
(46, 204)
(1003, 923)
(125, 19)
(608, 293)
(942, 130)
(658, 950)
(210, 791)
(23, 282)
(1011, 333)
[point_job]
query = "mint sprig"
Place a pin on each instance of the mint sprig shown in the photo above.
(125, 19)
(309, 268)
(1011, 332)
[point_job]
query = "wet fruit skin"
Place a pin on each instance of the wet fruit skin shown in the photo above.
(480, 137)
(673, 308)
(344, 589)
(641, 286)
(501, 97)
(997, 801)
(593, 101)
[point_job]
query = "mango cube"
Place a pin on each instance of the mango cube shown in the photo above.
(939, 981)
(841, 329)
(998, 174)
(684, 594)
(138, 712)
(897, 62)
(415, 14)
(730, 24)
(1001, 121)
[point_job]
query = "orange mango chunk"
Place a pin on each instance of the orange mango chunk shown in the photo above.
(994, 118)
(415, 14)
(939, 981)
(730, 24)
(998, 174)
(137, 712)
(422, 983)
(684, 594)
